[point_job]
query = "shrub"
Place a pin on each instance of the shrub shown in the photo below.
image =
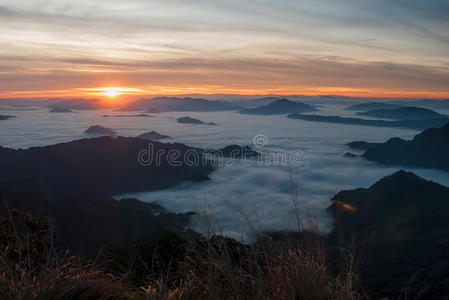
(30, 268)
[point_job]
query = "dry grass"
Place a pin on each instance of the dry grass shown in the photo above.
(70, 280)
(220, 268)
(291, 266)
(30, 268)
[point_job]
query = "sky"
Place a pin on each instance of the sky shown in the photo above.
(358, 48)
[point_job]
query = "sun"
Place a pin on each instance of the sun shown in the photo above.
(113, 91)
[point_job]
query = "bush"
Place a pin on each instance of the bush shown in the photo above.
(30, 268)
(166, 266)
(221, 268)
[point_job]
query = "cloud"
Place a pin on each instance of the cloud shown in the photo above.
(299, 72)
(238, 196)
(359, 44)
(240, 199)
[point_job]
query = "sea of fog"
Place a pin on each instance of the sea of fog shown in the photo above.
(240, 198)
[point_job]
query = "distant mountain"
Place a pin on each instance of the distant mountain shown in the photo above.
(167, 104)
(60, 110)
(428, 149)
(429, 103)
(372, 106)
(400, 228)
(350, 155)
(251, 103)
(361, 145)
(17, 108)
(77, 104)
(189, 120)
(234, 151)
(278, 107)
(5, 117)
(76, 180)
(412, 124)
(152, 135)
(403, 113)
(97, 131)
(125, 116)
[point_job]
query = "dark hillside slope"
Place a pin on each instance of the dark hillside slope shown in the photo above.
(404, 113)
(73, 183)
(99, 165)
(429, 149)
(401, 228)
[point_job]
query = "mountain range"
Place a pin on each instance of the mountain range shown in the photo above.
(279, 107)
(403, 113)
(412, 124)
(167, 104)
(428, 149)
(75, 104)
(373, 105)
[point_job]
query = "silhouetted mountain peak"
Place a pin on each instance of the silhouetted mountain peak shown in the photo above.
(280, 106)
(190, 120)
(398, 179)
(97, 130)
(282, 101)
(404, 113)
(153, 135)
(428, 149)
(400, 224)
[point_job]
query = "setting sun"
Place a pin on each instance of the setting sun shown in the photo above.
(113, 91)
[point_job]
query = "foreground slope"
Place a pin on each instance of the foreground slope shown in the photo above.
(401, 228)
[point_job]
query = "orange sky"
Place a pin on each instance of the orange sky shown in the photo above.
(356, 48)
(124, 93)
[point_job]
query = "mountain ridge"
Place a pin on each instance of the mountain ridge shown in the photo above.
(427, 149)
(399, 224)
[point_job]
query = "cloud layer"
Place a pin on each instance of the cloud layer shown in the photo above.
(281, 46)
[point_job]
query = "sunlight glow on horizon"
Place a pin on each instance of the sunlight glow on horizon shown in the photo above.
(111, 91)
(351, 48)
